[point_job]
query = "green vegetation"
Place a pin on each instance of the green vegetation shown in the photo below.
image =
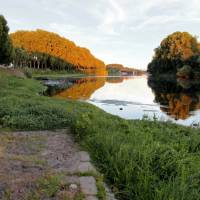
(52, 74)
(40, 61)
(52, 48)
(53, 186)
(45, 50)
(6, 48)
(113, 71)
(175, 52)
(185, 71)
(140, 159)
(101, 194)
(50, 184)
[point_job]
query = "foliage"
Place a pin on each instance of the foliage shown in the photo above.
(53, 186)
(28, 73)
(50, 184)
(113, 71)
(115, 66)
(178, 45)
(41, 41)
(116, 70)
(5, 43)
(175, 51)
(185, 71)
(40, 61)
(141, 159)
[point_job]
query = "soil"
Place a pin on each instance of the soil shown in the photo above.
(31, 160)
(13, 71)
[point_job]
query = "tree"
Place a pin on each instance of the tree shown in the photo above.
(41, 41)
(178, 45)
(175, 51)
(6, 49)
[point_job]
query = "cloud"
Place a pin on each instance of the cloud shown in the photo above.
(113, 18)
(154, 21)
(124, 31)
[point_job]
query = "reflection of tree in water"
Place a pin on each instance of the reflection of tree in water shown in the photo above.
(115, 79)
(176, 97)
(82, 88)
(118, 79)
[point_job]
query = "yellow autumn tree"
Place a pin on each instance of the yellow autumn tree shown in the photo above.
(178, 45)
(50, 43)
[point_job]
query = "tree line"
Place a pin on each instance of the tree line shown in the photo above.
(45, 50)
(36, 60)
(54, 45)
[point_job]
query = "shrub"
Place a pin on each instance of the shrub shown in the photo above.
(28, 73)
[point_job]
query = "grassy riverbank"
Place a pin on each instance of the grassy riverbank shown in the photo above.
(52, 74)
(141, 159)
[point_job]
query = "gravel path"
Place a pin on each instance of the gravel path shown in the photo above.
(45, 165)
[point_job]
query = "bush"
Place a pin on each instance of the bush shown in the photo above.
(28, 73)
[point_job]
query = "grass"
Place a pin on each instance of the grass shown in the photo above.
(141, 160)
(50, 184)
(53, 74)
(101, 193)
(53, 186)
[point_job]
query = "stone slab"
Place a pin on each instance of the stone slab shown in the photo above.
(88, 185)
(86, 167)
(84, 156)
(91, 198)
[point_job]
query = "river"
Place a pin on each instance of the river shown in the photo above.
(134, 97)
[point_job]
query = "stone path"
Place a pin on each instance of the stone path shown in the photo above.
(31, 161)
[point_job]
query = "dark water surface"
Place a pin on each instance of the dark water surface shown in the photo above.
(134, 97)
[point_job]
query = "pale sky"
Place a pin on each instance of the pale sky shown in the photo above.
(116, 31)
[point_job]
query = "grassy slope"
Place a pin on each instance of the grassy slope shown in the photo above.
(53, 74)
(141, 159)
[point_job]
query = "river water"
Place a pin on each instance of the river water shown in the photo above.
(134, 97)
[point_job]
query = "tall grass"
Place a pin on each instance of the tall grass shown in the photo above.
(141, 160)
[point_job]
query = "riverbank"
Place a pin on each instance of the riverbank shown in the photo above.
(140, 159)
(35, 73)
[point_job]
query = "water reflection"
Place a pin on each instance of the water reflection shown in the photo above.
(78, 88)
(82, 88)
(178, 98)
(114, 79)
(134, 97)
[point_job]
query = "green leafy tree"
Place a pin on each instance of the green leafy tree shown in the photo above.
(6, 49)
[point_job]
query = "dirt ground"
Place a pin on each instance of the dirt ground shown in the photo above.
(39, 165)
(13, 71)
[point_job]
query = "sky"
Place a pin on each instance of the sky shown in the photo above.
(116, 31)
